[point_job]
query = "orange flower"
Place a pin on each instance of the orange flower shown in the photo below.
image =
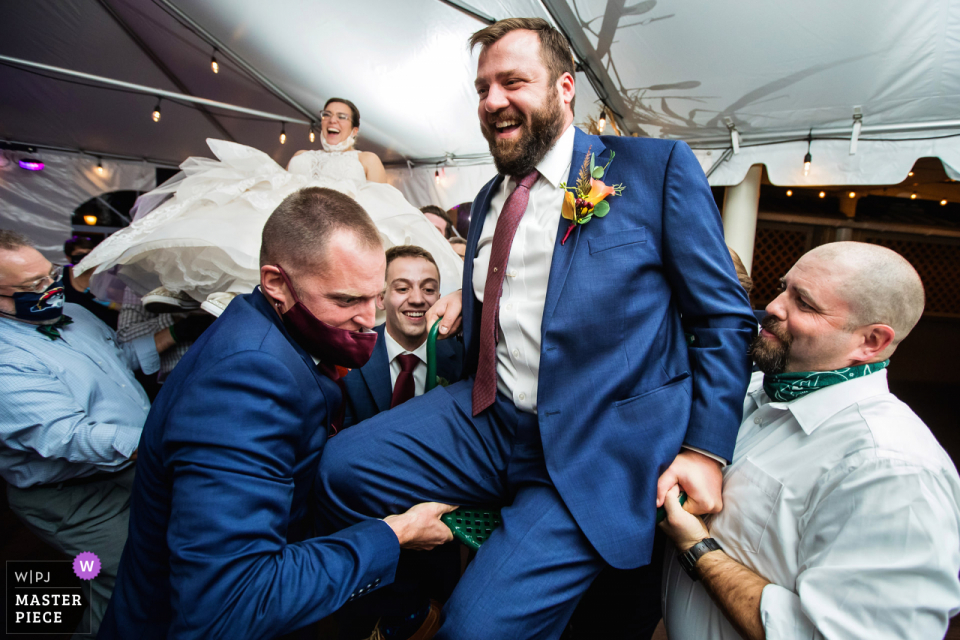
(598, 191)
(569, 205)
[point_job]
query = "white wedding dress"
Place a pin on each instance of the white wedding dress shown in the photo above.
(206, 238)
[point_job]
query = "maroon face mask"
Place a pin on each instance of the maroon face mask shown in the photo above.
(333, 346)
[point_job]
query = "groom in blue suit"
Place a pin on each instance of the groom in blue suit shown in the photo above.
(412, 287)
(583, 403)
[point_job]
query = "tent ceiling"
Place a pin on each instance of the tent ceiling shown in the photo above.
(676, 69)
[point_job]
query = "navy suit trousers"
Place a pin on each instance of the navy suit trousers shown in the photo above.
(528, 577)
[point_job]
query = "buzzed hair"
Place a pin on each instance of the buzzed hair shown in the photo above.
(555, 53)
(879, 284)
(410, 251)
(11, 240)
(298, 231)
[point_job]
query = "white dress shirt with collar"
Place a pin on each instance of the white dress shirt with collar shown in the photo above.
(419, 374)
(528, 273)
(846, 503)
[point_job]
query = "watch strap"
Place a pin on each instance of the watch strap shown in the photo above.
(689, 558)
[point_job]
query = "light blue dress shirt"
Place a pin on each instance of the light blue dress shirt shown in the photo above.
(69, 407)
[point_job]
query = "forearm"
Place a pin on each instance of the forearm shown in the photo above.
(736, 590)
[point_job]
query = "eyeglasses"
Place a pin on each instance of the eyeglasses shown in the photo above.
(328, 115)
(39, 285)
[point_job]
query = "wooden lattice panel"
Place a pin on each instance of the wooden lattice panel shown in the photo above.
(938, 264)
(775, 250)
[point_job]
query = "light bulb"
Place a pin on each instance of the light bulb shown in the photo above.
(601, 124)
(807, 159)
(100, 170)
(313, 136)
(436, 176)
(789, 192)
(90, 220)
(910, 174)
(852, 194)
(943, 203)
(214, 65)
(823, 194)
(156, 112)
(913, 196)
(283, 134)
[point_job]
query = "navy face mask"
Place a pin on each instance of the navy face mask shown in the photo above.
(42, 307)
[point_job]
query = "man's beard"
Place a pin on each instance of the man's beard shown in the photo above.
(771, 355)
(521, 156)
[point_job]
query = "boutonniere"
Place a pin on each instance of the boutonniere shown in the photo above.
(442, 382)
(588, 198)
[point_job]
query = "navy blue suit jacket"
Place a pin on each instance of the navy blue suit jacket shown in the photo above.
(218, 544)
(368, 389)
(619, 391)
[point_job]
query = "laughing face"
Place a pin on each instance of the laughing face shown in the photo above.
(336, 123)
(522, 113)
(413, 286)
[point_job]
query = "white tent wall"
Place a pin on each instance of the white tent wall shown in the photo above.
(39, 204)
(875, 163)
(456, 185)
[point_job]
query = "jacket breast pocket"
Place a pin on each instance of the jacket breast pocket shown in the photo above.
(750, 495)
(618, 239)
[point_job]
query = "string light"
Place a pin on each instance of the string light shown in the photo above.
(943, 203)
(156, 111)
(823, 194)
(789, 192)
(214, 65)
(90, 219)
(100, 170)
(312, 136)
(852, 194)
(913, 196)
(910, 174)
(283, 133)
(807, 159)
(436, 176)
(602, 121)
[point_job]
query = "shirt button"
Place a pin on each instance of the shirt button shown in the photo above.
(757, 421)
(509, 307)
(516, 353)
(123, 386)
(513, 273)
(523, 396)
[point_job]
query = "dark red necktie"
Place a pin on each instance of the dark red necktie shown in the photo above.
(485, 384)
(405, 388)
(336, 374)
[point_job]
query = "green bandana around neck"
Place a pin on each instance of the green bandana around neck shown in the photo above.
(52, 331)
(784, 387)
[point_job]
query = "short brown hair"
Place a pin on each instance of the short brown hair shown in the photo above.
(555, 51)
(745, 280)
(299, 229)
(437, 211)
(11, 240)
(410, 251)
(354, 112)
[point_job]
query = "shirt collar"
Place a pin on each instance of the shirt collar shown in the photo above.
(394, 348)
(815, 408)
(555, 166)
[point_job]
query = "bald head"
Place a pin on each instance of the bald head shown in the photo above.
(878, 284)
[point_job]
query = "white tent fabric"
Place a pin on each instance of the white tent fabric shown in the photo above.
(455, 186)
(39, 204)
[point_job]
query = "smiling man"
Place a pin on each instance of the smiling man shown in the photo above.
(397, 370)
(841, 514)
(219, 541)
(582, 392)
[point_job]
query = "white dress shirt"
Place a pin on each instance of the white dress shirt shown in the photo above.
(846, 503)
(528, 273)
(419, 374)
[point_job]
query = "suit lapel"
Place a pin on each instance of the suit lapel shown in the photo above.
(563, 255)
(376, 373)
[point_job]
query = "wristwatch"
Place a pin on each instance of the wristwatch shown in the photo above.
(689, 558)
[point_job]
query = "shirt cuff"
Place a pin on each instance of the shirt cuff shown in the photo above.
(782, 615)
(146, 349)
(723, 462)
(127, 440)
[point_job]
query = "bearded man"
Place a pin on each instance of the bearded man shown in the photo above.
(841, 513)
(581, 390)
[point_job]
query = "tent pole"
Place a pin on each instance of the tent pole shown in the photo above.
(740, 206)
(150, 53)
(786, 136)
(151, 91)
(246, 66)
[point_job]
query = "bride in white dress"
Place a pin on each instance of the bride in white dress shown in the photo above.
(204, 242)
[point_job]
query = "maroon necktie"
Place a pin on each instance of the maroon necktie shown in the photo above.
(485, 384)
(405, 388)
